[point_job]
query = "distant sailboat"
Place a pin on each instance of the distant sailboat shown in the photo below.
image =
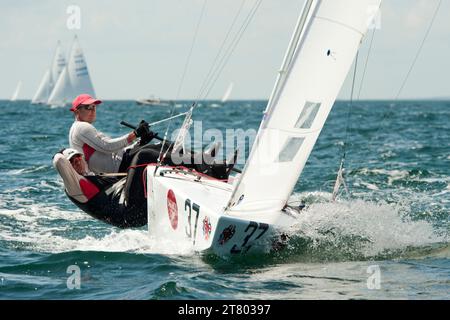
(16, 92)
(227, 93)
(73, 80)
(50, 76)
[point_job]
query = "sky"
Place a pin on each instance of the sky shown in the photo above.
(138, 48)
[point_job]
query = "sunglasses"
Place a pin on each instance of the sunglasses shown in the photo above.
(88, 107)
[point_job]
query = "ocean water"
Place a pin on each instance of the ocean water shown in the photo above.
(387, 239)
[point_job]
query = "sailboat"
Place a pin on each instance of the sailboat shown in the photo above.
(227, 93)
(16, 92)
(73, 79)
(50, 76)
(249, 212)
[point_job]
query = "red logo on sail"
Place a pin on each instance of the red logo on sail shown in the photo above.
(172, 209)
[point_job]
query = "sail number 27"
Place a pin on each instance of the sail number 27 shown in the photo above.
(250, 231)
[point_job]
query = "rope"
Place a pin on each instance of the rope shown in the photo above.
(167, 119)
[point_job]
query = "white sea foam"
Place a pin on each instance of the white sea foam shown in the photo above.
(48, 228)
(393, 175)
(382, 227)
(25, 170)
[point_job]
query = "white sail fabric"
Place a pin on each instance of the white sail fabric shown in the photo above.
(16, 92)
(78, 71)
(58, 64)
(227, 93)
(315, 67)
(62, 92)
(44, 89)
(50, 77)
(73, 80)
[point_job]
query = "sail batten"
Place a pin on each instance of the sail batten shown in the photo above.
(317, 61)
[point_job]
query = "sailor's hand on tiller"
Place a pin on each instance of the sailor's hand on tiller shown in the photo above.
(143, 129)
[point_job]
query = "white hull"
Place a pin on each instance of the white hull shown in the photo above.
(190, 211)
(150, 102)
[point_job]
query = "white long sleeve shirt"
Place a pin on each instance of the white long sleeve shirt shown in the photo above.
(77, 186)
(102, 153)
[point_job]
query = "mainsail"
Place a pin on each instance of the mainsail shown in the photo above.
(50, 76)
(321, 52)
(73, 80)
(16, 92)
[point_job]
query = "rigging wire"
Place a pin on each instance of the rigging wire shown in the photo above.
(217, 70)
(182, 80)
(234, 44)
(213, 66)
(191, 49)
(419, 50)
(340, 178)
(383, 119)
(347, 129)
(366, 63)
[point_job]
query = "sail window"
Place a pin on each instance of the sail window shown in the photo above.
(307, 116)
(290, 149)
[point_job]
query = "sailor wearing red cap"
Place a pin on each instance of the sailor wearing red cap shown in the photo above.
(102, 153)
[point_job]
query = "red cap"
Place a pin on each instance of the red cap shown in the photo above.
(83, 99)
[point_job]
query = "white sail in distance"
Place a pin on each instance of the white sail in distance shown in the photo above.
(16, 92)
(44, 89)
(50, 76)
(62, 92)
(73, 80)
(58, 64)
(321, 53)
(227, 93)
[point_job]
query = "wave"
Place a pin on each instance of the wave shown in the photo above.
(359, 229)
(342, 230)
